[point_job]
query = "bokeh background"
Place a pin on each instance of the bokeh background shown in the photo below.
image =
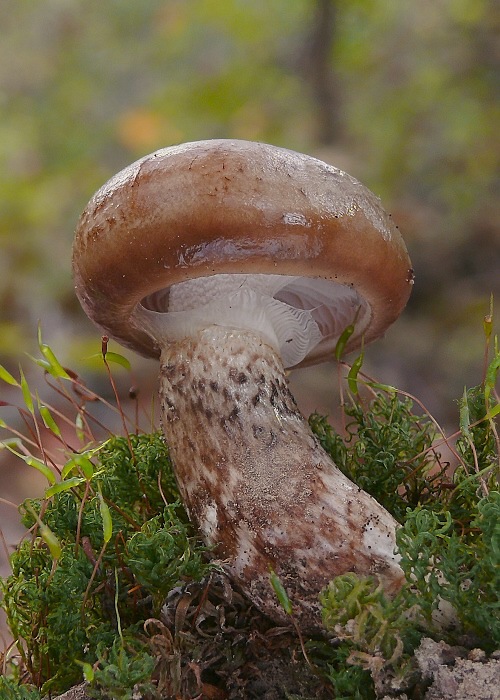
(403, 95)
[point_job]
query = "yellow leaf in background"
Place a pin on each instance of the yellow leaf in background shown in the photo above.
(143, 129)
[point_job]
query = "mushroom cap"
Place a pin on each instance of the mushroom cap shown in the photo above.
(234, 207)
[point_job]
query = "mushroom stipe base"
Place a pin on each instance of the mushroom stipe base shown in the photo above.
(256, 481)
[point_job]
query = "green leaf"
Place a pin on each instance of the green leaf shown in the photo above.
(465, 416)
(7, 377)
(40, 466)
(50, 540)
(491, 377)
(62, 486)
(88, 671)
(26, 392)
(113, 357)
(472, 477)
(281, 594)
(494, 411)
(53, 365)
(382, 387)
(80, 426)
(40, 362)
(79, 461)
(488, 322)
(35, 463)
(82, 461)
(85, 465)
(344, 337)
(48, 420)
(342, 341)
(352, 377)
(118, 359)
(68, 468)
(107, 523)
(11, 443)
(47, 535)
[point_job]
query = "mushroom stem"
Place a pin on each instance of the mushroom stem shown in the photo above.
(255, 480)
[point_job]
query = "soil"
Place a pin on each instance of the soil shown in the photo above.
(451, 677)
(211, 644)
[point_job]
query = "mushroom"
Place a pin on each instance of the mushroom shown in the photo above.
(233, 262)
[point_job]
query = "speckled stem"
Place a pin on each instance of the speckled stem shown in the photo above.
(255, 479)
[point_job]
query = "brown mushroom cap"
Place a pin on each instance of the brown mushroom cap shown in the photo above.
(229, 206)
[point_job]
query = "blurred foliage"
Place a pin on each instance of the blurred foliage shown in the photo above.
(84, 90)
(426, 71)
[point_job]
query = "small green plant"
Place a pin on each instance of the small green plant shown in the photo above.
(115, 585)
(109, 540)
(105, 576)
(11, 690)
(123, 671)
(375, 633)
(161, 554)
(387, 450)
(449, 539)
(444, 564)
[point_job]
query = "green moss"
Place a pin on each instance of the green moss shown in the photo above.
(11, 690)
(387, 451)
(115, 580)
(443, 564)
(125, 670)
(449, 539)
(68, 609)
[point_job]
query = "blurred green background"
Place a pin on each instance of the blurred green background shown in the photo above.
(400, 94)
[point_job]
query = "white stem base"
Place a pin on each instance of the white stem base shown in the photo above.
(256, 481)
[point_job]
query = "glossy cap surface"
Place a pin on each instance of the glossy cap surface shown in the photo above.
(234, 207)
